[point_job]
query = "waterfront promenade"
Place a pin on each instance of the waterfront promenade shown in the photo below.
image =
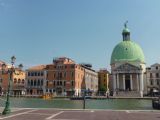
(61, 114)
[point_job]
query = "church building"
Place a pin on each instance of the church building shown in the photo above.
(127, 67)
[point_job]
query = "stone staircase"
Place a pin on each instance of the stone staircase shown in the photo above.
(127, 94)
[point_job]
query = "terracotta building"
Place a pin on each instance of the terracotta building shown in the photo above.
(64, 77)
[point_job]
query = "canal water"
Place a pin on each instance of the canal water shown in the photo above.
(114, 104)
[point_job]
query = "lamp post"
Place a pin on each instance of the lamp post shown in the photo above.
(84, 100)
(9, 72)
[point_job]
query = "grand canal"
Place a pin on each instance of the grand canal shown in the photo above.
(114, 104)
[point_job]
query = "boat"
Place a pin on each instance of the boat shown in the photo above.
(47, 96)
(80, 98)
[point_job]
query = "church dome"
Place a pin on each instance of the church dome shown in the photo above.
(127, 50)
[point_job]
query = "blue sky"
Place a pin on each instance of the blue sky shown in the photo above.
(35, 31)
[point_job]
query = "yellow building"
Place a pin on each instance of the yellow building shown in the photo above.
(18, 87)
(103, 80)
(17, 83)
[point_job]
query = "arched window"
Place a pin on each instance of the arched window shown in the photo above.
(19, 81)
(38, 83)
(15, 80)
(31, 82)
(42, 82)
(22, 81)
(35, 82)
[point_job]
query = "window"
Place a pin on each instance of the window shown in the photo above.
(32, 74)
(47, 83)
(72, 74)
(57, 82)
(35, 73)
(60, 82)
(157, 81)
(150, 75)
(38, 73)
(22, 81)
(15, 80)
(38, 83)
(35, 83)
(72, 66)
(29, 74)
(151, 82)
(72, 83)
(41, 73)
(28, 82)
(47, 74)
(31, 82)
(64, 83)
(156, 67)
(64, 74)
(19, 80)
(42, 82)
(157, 75)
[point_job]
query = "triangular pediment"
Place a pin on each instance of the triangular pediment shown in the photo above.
(127, 67)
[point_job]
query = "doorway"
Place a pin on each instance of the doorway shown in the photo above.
(127, 82)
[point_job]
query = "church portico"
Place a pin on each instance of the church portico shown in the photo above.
(127, 81)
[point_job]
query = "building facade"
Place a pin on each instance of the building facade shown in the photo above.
(36, 80)
(103, 80)
(64, 77)
(90, 81)
(18, 86)
(17, 83)
(128, 67)
(153, 78)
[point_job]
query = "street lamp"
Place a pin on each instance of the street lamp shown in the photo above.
(84, 100)
(9, 71)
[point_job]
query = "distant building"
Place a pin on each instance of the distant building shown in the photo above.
(103, 79)
(153, 78)
(36, 80)
(90, 81)
(64, 77)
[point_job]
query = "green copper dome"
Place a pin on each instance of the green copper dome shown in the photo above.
(127, 51)
(125, 30)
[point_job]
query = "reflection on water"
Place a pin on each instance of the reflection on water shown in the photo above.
(129, 104)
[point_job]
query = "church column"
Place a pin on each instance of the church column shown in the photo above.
(137, 82)
(114, 81)
(117, 81)
(124, 84)
(141, 84)
(131, 81)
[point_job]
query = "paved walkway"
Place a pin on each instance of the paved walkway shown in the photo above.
(53, 114)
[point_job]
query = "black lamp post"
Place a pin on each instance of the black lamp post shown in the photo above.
(9, 71)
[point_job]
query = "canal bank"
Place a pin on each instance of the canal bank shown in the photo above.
(114, 104)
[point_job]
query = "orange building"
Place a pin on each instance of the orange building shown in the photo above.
(64, 77)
